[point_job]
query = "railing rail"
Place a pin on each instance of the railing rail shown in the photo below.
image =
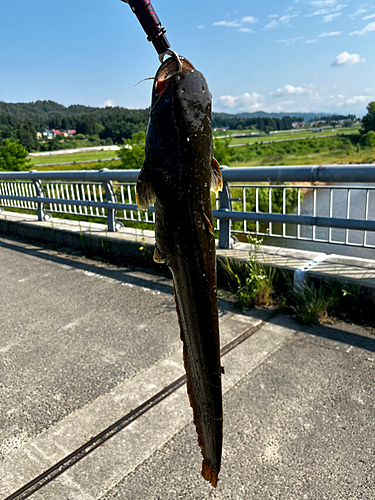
(253, 200)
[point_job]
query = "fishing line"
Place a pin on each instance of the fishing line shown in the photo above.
(96, 441)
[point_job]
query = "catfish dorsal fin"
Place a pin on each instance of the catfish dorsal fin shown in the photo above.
(145, 194)
(216, 177)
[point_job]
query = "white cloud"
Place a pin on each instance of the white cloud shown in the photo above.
(346, 59)
(285, 19)
(369, 17)
(289, 41)
(310, 41)
(358, 12)
(366, 29)
(230, 24)
(246, 30)
(272, 25)
(238, 23)
(107, 104)
(355, 100)
(256, 102)
(323, 3)
(329, 10)
(249, 19)
(330, 17)
(331, 33)
(245, 102)
(201, 26)
(289, 89)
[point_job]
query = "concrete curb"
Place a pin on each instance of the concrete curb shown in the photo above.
(135, 247)
(130, 246)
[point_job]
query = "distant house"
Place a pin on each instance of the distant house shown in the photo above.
(57, 132)
(72, 132)
(39, 135)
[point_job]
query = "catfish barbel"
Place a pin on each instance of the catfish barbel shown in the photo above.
(177, 175)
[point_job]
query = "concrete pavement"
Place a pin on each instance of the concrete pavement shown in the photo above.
(83, 342)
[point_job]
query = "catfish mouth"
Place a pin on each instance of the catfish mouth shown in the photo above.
(168, 70)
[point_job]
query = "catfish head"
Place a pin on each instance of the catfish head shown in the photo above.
(179, 136)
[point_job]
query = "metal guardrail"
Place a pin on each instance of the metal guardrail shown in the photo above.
(334, 204)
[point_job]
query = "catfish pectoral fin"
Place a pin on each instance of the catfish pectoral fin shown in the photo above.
(209, 225)
(157, 257)
(216, 177)
(209, 474)
(145, 194)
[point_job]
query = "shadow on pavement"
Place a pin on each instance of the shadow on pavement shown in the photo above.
(343, 336)
(134, 276)
(344, 333)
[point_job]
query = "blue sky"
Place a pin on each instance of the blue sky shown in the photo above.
(279, 56)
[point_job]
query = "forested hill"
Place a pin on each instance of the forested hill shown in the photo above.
(115, 123)
(21, 121)
(50, 115)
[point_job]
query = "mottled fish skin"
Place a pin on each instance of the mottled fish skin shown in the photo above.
(177, 175)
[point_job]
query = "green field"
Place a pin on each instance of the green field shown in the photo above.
(220, 133)
(317, 150)
(115, 164)
(94, 155)
(297, 134)
(324, 150)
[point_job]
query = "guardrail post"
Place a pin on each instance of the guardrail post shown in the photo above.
(110, 194)
(225, 225)
(42, 215)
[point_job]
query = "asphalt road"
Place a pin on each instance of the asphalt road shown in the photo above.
(83, 342)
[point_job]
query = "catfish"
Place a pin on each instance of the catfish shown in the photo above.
(177, 175)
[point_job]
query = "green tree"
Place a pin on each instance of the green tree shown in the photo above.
(133, 153)
(368, 121)
(27, 136)
(222, 151)
(368, 140)
(13, 157)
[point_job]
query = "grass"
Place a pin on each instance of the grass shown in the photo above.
(299, 134)
(71, 157)
(339, 150)
(115, 164)
(305, 152)
(323, 158)
(256, 283)
(253, 281)
(295, 134)
(221, 133)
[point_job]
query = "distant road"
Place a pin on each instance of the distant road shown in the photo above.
(284, 140)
